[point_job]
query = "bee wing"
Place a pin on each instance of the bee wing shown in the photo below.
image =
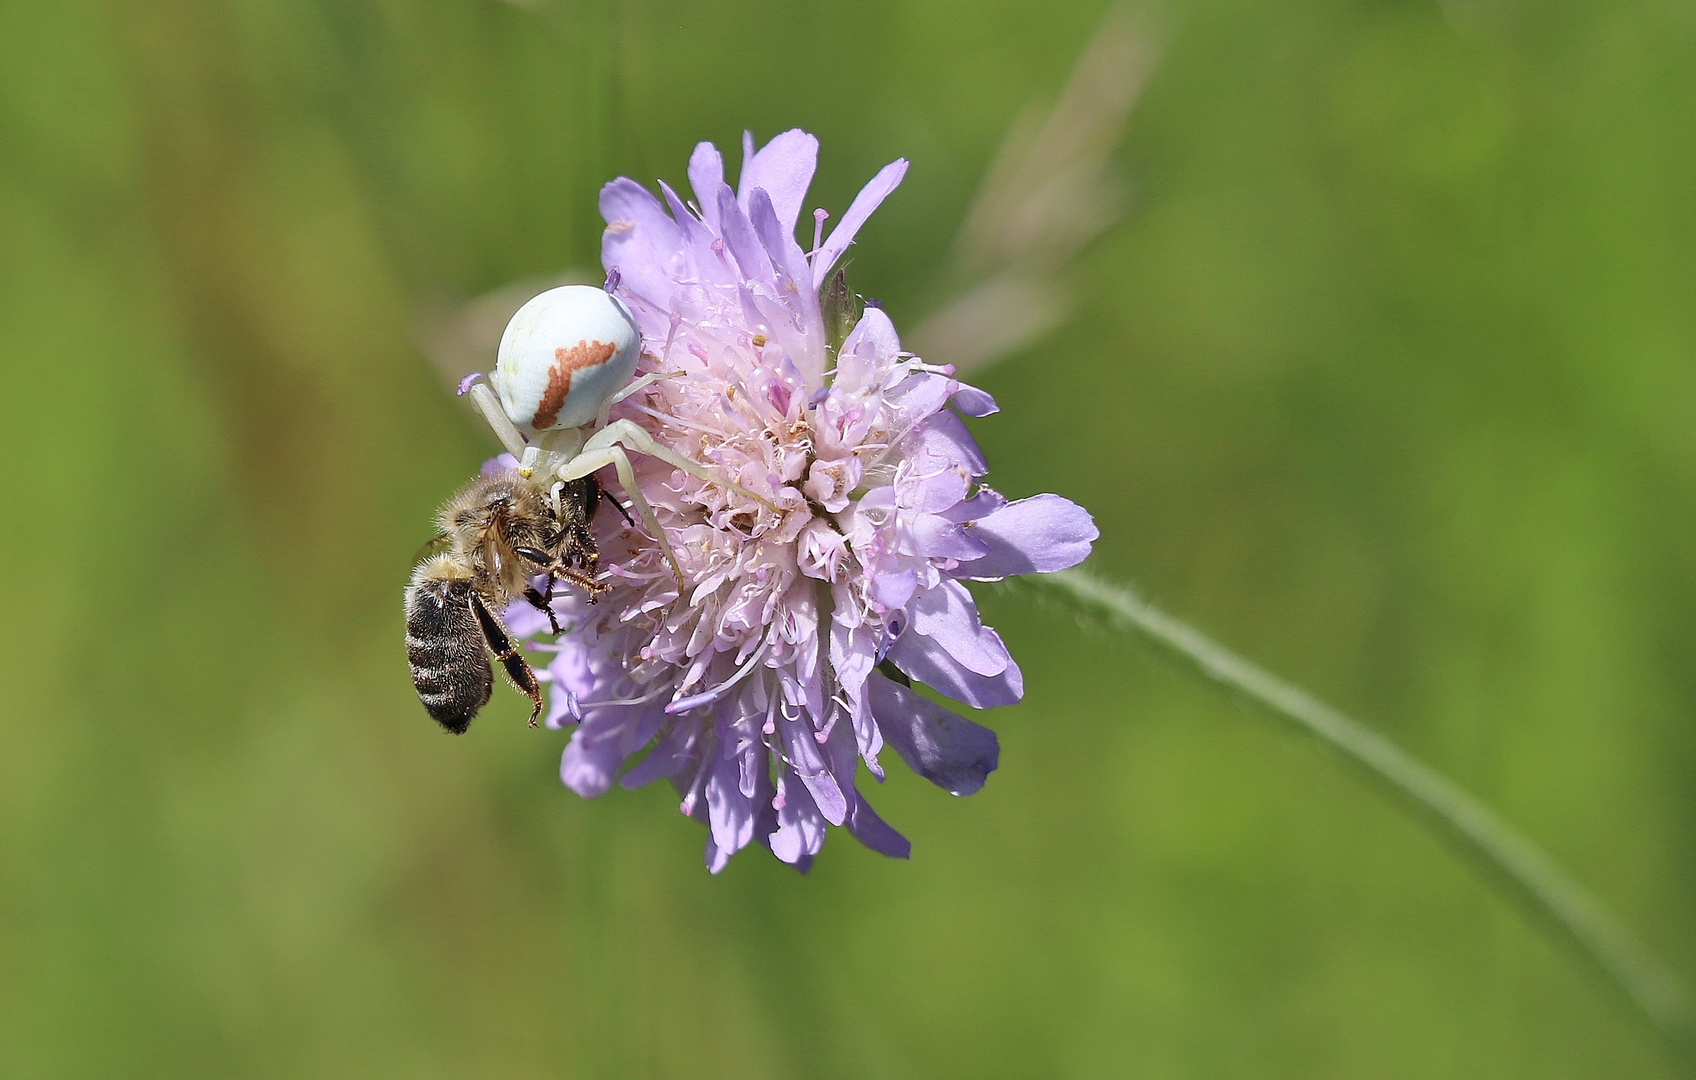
(430, 547)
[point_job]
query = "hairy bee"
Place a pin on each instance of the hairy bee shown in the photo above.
(502, 530)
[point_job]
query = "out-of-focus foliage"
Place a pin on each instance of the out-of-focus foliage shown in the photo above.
(1387, 379)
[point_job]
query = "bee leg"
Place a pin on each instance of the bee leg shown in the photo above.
(591, 588)
(513, 662)
(583, 581)
(559, 570)
(545, 604)
(540, 601)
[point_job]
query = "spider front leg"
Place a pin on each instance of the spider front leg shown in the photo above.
(627, 433)
(591, 460)
(638, 385)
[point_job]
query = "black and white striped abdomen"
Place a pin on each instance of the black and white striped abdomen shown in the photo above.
(444, 644)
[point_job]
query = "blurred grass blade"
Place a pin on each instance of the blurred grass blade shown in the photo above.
(1049, 192)
(1511, 862)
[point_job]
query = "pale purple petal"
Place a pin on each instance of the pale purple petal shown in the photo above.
(802, 342)
(894, 590)
(626, 200)
(842, 748)
(641, 241)
(948, 750)
(944, 438)
(923, 660)
(717, 858)
(568, 673)
(665, 759)
(853, 652)
(590, 764)
(872, 831)
(971, 401)
(940, 538)
(887, 180)
(873, 337)
(809, 764)
(739, 237)
(786, 256)
(983, 503)
(600, 744)
(867, 736)
(800, 826)
(931, 487)
(706, 176)
(783, 168)
(948, 615)
(920, 395)
(1038, 535)
(730, 813)
(697, 238)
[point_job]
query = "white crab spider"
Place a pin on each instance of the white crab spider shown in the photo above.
(566, 358)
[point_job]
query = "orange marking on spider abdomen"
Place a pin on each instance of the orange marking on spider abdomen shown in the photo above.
(567, 362)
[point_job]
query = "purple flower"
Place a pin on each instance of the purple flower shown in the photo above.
(789, 662)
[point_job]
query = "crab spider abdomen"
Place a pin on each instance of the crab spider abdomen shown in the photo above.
(563, 355)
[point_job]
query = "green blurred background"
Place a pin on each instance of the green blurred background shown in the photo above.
(1385, 378)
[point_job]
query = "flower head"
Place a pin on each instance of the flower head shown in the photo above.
(790, 659)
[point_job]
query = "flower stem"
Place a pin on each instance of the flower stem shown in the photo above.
(1511, 862)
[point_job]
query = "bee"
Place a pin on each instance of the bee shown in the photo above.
(502, 530)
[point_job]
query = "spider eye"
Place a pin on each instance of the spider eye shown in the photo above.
(563, 355)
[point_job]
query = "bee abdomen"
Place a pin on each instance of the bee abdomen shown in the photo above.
(444, 645)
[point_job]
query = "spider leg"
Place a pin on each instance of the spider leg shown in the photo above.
(641, 384)
(626, 433)
(490, 406)
(613, 454)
